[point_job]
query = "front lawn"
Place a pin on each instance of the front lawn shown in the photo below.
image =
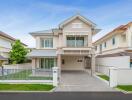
(127, 88)
(25, 87)
(104, 77)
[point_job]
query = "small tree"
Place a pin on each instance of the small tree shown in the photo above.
(18, 53)
(1, 62)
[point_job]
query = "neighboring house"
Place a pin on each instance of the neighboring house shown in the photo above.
(117, 43)
(5, 45)
(68, 47)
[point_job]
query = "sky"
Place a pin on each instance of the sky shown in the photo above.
(19, 17)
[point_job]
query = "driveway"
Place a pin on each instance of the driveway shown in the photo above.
(81, 81)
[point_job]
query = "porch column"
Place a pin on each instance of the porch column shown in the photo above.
(59, 64)
(33, 63)
(37, 62)
(92, 64)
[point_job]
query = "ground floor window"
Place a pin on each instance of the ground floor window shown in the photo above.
(47, 63)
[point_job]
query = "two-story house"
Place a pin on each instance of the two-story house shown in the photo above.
(5, 45)
(116, 43)
(68, 47)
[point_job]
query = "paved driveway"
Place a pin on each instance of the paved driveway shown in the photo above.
(81, 81)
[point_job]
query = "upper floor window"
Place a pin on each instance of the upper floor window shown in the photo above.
(47, 43)
(96, 48)
(75, 41)
(100, 47)
(76, 25)
(113, 40)
(105, 45)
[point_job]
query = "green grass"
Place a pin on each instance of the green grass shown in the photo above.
(23, 75)
(127, 88)
(104, 77)
(25, 87)
(39, 78)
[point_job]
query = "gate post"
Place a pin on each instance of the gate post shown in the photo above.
(113, 77)
(55, 76)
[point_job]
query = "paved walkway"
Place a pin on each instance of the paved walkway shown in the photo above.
(81, 81)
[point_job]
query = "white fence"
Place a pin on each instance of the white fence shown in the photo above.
(103, 69)
(118, 62)
(18, 66)
(8, 69)
(25, 74)
(118, 76)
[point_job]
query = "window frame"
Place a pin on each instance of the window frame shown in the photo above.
(113, 41)
(105, 44)
(75, 41)
(46, 42)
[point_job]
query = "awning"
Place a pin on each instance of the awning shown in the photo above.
(42, 53)
(116, 55)
(3, 58)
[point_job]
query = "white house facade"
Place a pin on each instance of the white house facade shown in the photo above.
(69, 47)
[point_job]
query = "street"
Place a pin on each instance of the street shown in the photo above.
(66, 96)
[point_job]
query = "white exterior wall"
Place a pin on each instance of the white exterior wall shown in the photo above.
(55, 42)
(123, 40)
(60, 41)
(119, 42)
(120, 77)
(72, 64)
(124, 76)
(5, 43)
(5, 46)
(84, 31)
(118, 62)
(103, 69)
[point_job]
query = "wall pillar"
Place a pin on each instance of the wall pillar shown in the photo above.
(37, 62)
(55, 76)
(113, 77)
(59, 64)
(92, 64)
(33, 63)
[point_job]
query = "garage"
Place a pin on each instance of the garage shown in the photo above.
(73, 63)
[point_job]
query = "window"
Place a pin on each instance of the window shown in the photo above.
(113, 40)
(47, 63)
(96, 48)
(105, 44)
(75, 41)
(71, 41)
(100, 47)
(47, 43)
(76, 25)
(79, 41)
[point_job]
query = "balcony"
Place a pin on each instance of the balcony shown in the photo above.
(75, 50)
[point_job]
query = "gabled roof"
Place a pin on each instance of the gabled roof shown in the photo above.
(8, 37)
(44, 32)
(74, 17)
(119, 29)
